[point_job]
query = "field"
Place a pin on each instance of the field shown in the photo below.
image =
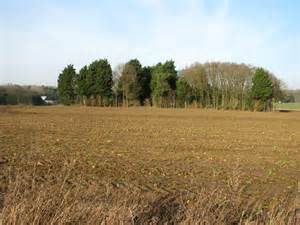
(75, 165)
(288, 106)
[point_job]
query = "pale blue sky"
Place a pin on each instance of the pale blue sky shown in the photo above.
(38, 37)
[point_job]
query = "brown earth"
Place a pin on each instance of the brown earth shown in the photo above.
(154, 151)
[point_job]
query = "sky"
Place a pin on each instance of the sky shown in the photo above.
(38, 38)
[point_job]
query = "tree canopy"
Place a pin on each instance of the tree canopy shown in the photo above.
(94, 83)
(66, 85)
(262, 90)
(163, 84)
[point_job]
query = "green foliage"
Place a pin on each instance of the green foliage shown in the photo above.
(262, 85)
(104, 79)
(99, 81)
(262, 90)
(66, 85)
(183, 92)
(163, 84)
(81, 82)
(135, 82)
(211, 85)
(144, 82)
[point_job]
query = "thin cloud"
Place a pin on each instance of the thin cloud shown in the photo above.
(151, 30)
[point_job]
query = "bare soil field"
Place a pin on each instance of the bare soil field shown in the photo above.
(85, 165)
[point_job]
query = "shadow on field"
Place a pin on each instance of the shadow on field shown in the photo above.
(163, 210)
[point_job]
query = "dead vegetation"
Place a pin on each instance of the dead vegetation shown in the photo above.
(147, 166)
(28, 200)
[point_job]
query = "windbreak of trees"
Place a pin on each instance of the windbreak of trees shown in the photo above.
(92, 86)
(209, 85)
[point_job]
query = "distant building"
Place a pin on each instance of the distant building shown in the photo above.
(50, 102)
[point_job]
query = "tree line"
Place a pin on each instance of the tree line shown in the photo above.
(292, 96)
(202, 85)
(26, 94)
